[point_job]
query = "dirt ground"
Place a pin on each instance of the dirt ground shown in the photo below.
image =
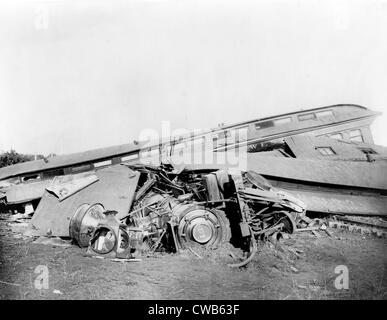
(275, 272)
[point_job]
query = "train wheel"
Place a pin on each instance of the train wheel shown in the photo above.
(207, 227)
(284, 217)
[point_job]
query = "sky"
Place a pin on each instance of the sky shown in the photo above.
(78, 75)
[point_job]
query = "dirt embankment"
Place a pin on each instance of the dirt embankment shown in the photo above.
(301, 267)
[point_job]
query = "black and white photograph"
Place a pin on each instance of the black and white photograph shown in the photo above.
(208, 151)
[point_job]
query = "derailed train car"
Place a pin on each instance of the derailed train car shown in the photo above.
(180, 209)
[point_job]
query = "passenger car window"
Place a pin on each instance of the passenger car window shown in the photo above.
(282, 121)
(264, 124)
(368, 151)
(130, 157)
(102, 163)
(326, 151)
(355, 135)
(324, 113)
(306, 116)
(31, 177)
(338, 136)
(81, 168)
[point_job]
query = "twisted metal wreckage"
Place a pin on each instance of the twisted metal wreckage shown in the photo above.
(179, 209)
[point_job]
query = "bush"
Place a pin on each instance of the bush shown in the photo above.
(12, 157)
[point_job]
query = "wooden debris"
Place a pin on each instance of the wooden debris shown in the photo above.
(56, 291)
(308, 229)
(307, 220)
(193, 252)
(316, 233)
(328, 233)
(295, 270)
(126, 260)
(294, 252)
(11, 284)
(53, 241)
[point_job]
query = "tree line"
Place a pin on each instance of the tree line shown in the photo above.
(11, 157)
